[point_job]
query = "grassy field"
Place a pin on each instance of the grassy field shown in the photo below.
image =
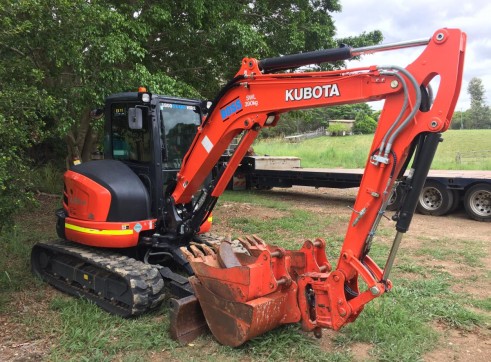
(352, 151)
(431, 302)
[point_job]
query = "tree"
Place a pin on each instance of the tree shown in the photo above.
(364, 124)
(479, 114)
(460, 120)
(59, 58)
(348, 111)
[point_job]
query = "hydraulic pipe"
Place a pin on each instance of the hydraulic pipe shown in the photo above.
(390, 46)
(344, 52)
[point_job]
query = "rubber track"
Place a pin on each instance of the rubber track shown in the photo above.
(144, 280)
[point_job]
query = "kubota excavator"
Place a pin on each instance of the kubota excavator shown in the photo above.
(134, 221)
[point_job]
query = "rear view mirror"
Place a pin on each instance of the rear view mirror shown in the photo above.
(135, 118)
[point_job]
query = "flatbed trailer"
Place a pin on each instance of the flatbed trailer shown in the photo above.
(443, 193)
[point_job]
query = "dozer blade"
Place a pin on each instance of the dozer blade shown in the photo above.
(187, 321)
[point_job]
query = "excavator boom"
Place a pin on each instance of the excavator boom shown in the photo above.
(243, 296)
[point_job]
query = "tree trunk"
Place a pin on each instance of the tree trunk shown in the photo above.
(81, 140)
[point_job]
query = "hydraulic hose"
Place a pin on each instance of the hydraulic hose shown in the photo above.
(413, 111)
(403, 109)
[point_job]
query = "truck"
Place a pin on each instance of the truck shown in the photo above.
(132, 226)
(443, 191)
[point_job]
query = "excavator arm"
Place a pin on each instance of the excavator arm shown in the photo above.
(243, 296)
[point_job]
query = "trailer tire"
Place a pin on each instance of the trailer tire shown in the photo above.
(435, 199)
(456, 201)
(395, 199)
(477, 202)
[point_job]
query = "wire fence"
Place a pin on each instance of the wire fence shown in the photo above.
(472, 156)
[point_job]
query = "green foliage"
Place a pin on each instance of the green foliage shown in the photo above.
(47, 178)
(364, 124)
(478, 116)
(460, 120)
(337, 129)
(59, 59)
(479, 113)
(348, 111)
(14, 171)
(309, 120)
(295, 122)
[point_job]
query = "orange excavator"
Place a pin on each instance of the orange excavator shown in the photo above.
(133, 225)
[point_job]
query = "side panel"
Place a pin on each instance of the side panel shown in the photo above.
(106, 234)
(84, 198)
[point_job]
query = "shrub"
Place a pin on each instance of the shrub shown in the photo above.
(364, 124)
(337, 129)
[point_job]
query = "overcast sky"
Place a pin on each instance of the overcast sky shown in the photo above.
(400, 20)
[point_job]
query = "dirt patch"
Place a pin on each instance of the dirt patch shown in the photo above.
(227, 211)
(457, 345)
(359, 351)
(20, 339)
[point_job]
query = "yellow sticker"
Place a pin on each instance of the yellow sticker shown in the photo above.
(86, 277)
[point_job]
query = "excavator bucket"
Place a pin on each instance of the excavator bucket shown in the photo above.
(187, 321)
(233, 323)
(245, 295)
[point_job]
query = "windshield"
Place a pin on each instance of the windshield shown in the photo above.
(179, 125)
(129, 144)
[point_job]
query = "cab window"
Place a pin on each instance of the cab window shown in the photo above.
(129, 144)
(179, 126)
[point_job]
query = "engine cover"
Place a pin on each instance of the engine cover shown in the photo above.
(105, 190)
(105, 204)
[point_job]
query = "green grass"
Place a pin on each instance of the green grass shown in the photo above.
(398, 326)
(465, 252)
(88, 333)
(352, 151)
(285, 343)
(14, 264)
(47, 178)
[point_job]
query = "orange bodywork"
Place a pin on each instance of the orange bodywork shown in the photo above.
(84, 198)
(87, 204)
(106, 234)
(243, 297)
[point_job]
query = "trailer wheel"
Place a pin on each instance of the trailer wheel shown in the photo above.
(395, 199)
(435, 199)
(456, 201)
(477, 202)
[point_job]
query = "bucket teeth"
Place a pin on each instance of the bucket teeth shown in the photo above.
(196, 251)
(200, 253)
(187, 254)
(208, 251)
(246, 244)
(254, 244)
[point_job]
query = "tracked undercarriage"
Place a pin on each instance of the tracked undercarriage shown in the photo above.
(122, 285)
(118, 284)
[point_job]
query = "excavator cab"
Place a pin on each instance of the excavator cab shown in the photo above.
(153, 147)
